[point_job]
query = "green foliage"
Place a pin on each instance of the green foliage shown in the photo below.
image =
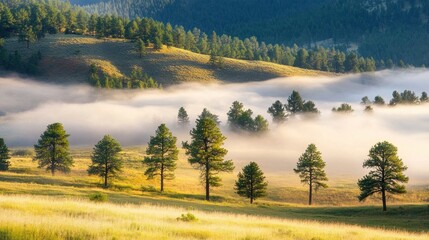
(23, 153)
(98, 197)
(106, 162)
(251, 182)
(386, 173)
(141, 48)
(182, 117)
(406, 97)
(137, 79)
(205, 152)
(52, 149)
(31, 21)
(241, 120)
(344, 108)
(189, 217)
(4, 156)
(366, 101)
(162, 155)
(424, 97)
(278, 112)
(379, 101)
(310, 168)
(295, 104)
(207, 114)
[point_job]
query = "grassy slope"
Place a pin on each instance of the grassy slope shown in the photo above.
(186, 192)
(66, 58)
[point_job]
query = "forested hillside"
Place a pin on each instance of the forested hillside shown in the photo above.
(383, 29)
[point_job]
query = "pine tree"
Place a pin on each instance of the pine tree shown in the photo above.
(182, 117)
(157, 44)
(52, 150)
(106, 162)
(4, 156)
(141, 48)
(295, 103)
(424, 97)
(386, 173)
(344, 108)
(310, 168)
(162, 155)
(206, 153)
(251, 182)
(379, 101)
(207, 114)
(278, 112)
(260, 124)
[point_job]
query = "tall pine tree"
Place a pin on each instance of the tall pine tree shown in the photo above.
(251, 182)
(4, 156)
(162, 155)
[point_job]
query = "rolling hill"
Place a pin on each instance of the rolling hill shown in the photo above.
(67, 58)
(383, 29)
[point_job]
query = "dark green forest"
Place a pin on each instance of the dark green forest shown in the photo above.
(32, 20)
(383, 29)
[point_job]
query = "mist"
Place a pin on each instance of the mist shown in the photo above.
(27, 107)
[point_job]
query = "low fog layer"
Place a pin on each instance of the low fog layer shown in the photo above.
(27, 107)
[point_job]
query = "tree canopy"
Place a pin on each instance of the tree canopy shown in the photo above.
(52, 149)
(4, 156)
(310, 168)
(205, 152)
(386, 173)
(105, 158)
(251, 182)
(162, 155)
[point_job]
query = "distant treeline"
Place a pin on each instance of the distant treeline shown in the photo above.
(31, 20)
(14, 62)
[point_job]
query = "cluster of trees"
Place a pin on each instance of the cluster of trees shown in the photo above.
(382, 29)
(295, 105)
(240, 119)
(136, 80)
(32, 20)
(405, 97)
(343, 108)
(15, 62)
(206, 153)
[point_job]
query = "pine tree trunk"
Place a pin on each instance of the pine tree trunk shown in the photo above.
(251, 192)
(207, 182)
(162, 177)
(383, 197)
(310, 192)
(105, 175)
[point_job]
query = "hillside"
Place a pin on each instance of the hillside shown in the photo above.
(67, 58)
(383, 29)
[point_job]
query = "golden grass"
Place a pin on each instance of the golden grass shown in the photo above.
(68, 57)
(47, 218)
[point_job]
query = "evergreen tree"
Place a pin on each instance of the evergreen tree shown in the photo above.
(182, 117)
(4, 156)
(206, 153)
(295, 103)
(207, 114)
(379, 101)
(309, 107)
(141, 48)
(310, 168)
(260, 124)
(344, 108)
(106, 162)
(366, 101)
(52, 149)
(157, 44)
(386, 173)
(424, 97)
(251, 182)
(234, 114)
(162, 155)
(278, 112)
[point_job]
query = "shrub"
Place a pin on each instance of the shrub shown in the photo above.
(98, 197)
(189, 217)
(148, 189)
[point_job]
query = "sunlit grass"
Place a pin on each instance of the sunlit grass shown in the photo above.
(52, 218)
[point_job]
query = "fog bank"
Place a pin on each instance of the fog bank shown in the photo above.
(27, 107)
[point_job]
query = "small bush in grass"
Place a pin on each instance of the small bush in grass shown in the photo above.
(148, 189)
(98, 197)
(189, 217)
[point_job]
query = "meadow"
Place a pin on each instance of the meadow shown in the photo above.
(31, 198)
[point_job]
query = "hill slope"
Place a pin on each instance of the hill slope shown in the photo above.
(67, 58)
(383, 29)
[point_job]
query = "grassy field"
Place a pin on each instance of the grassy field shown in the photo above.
(51, 218)
(284, 207)
(66, 59)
